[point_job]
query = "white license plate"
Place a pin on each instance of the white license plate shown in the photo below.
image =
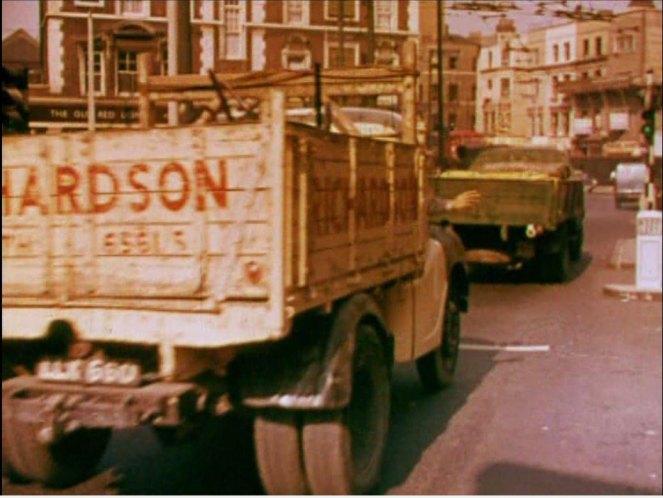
(94, 371)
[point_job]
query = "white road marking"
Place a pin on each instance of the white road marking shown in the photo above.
(543, 348)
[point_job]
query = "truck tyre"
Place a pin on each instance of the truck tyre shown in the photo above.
(64, 463)
(436, 369)
(577, 242)
(554, 267)
(278, 453)
(343, 449)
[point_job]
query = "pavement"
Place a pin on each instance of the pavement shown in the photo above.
(623, 257)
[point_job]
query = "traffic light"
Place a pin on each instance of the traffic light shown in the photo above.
(15, 115)
(648, 125)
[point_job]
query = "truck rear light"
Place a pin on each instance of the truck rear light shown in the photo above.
(533, 230)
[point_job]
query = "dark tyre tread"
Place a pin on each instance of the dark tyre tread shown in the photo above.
(343, 449)
(437, 368)
(278, 453)
(67, 462)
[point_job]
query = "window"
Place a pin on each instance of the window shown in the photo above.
(385, 18)
(386, 54)
(541, 123)
(567, 51)
(297, 54)
(554, 123)
(490, 60)
(566, 122)
(490, 84)
(350, 9)
(127, 73)
(296, 12)
(585, 47)
(598, 43)
(453, 62)
(349, 57)
(452, 121)
(163, 62)
(505, 54)
(452, 89)
(88, 3)
(598, 73)
(505, 88)
(625, 43)
(232, 34)
(585, 75)
(555, 83)
(133, 7)
(98, 71)
(555, 53)
(474, 92)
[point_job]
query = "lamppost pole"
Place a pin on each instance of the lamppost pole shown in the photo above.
(440, 90)
(91, 111)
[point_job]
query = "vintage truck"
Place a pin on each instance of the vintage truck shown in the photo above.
(167, 275)
(532, 209)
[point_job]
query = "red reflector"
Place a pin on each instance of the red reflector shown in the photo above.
(253, 272)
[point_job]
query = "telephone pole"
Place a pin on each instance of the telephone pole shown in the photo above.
(370, 57)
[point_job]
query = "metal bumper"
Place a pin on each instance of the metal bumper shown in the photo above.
(63, 408)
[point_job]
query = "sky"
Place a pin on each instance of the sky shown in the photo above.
(25, 14)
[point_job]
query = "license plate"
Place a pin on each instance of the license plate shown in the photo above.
(93, 371)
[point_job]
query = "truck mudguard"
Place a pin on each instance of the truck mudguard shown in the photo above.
(312, 368)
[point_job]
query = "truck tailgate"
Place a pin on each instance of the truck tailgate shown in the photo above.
(132, 214)
(508, 201)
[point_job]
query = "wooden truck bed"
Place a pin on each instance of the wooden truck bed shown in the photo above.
(229, 229)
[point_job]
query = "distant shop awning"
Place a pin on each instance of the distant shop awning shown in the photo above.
(598, 85)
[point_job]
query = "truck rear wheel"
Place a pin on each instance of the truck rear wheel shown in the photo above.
(577, 242)
(343, 449)
(279, 454)
(555, 267)
(437, 368)
(64, 463)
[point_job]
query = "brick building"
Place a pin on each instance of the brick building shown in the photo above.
(223, 35)
(458, 72)
(20, 51)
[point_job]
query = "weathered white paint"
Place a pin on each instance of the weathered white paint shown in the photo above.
(206, 49)
(55, 56)
(258, 58)
(543, 348)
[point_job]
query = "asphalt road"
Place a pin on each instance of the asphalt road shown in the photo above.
(583, 417)
(578, 411)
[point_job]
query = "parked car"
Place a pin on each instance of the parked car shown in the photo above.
(629, 180)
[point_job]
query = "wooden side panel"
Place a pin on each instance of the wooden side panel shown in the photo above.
(354, 211)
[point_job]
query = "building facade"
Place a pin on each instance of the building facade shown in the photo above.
(501, 106)
(459, 66)
(221, 35)
(20, 51)
(607, 100)
(577, 85)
